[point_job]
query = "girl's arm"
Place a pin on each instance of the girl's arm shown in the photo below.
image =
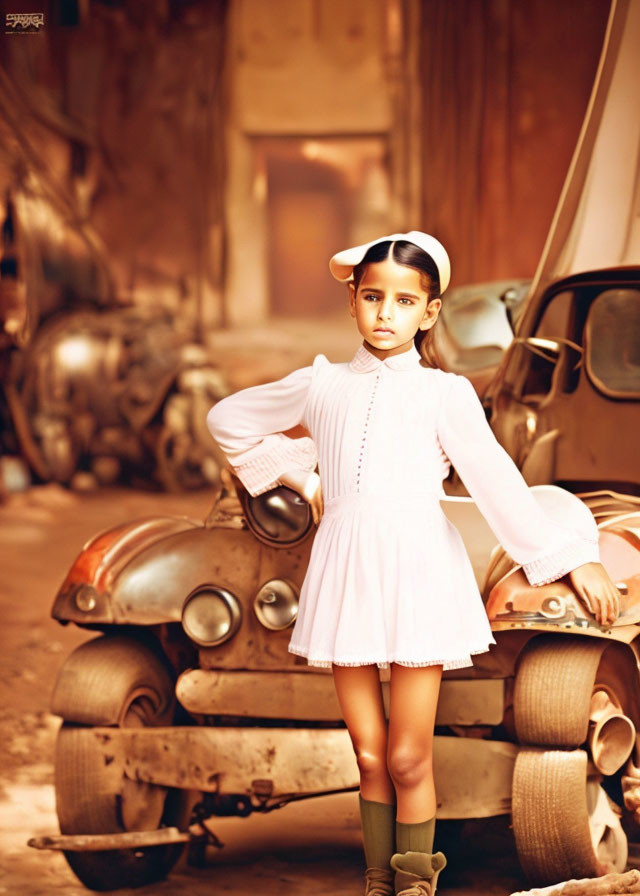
(248, 427)
(546, 549)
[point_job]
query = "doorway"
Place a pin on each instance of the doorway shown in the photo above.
(322, 195)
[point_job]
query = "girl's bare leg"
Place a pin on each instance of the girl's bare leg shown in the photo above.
(359, 692)
(412, 711)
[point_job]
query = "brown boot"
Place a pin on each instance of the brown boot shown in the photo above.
(379, 882)
(416, 873)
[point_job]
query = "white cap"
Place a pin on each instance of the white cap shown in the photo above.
(342, 263)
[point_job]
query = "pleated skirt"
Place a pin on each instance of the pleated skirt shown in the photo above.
(389, 580)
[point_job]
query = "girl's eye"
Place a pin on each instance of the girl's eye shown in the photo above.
(369, 295)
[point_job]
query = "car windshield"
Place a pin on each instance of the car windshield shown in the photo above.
(612, 343)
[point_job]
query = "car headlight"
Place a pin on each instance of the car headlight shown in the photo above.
(276, 604)
(279, 516)
(211, 616)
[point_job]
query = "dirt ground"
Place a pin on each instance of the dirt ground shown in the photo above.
(313, 847)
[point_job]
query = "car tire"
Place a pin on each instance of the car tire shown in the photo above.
(564, 824)
(88, 801)
(553, 687)
(556, 677)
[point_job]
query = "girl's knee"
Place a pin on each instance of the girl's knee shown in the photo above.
(409, 766)
(371, 761)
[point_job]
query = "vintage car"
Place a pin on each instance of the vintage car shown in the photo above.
(188, 706)
(575, 359)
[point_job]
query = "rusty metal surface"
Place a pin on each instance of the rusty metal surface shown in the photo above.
(124, 840)
(102, 559)
(292, 695)
(473, 777)
(229, 759)
(513, 603)
(141, 573)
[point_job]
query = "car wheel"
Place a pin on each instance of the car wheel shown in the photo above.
(88, 801)
(564, 824)
(563, 686)
(553, 687)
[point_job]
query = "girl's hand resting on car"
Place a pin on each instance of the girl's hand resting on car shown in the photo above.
(308, 486)
(596, 590)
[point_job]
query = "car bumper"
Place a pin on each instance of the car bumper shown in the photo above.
(473, 776)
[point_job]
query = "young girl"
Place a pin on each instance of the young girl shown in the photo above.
(389, 580)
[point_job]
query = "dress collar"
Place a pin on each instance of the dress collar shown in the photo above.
(364, 361)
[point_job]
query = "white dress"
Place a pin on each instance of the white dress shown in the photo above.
(389, 578)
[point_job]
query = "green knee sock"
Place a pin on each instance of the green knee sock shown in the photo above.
(417, 837)
(378, 831)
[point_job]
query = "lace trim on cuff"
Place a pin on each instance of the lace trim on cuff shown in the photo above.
(261, 472)
(553, 566)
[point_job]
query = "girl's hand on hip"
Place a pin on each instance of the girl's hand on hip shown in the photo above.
(308, 486)
(596, 590)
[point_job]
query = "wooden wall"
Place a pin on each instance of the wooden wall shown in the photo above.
(505, 87)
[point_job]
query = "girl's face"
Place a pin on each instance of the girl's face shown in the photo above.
(390, 306)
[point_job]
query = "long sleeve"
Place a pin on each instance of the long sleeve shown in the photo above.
(545, 548)
(248, 424)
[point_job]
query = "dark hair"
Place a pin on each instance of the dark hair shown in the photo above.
(412, 256)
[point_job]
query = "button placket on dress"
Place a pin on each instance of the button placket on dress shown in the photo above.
(366, 425)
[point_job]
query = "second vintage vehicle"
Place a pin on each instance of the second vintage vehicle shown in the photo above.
(476, 327)
(566, 399)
